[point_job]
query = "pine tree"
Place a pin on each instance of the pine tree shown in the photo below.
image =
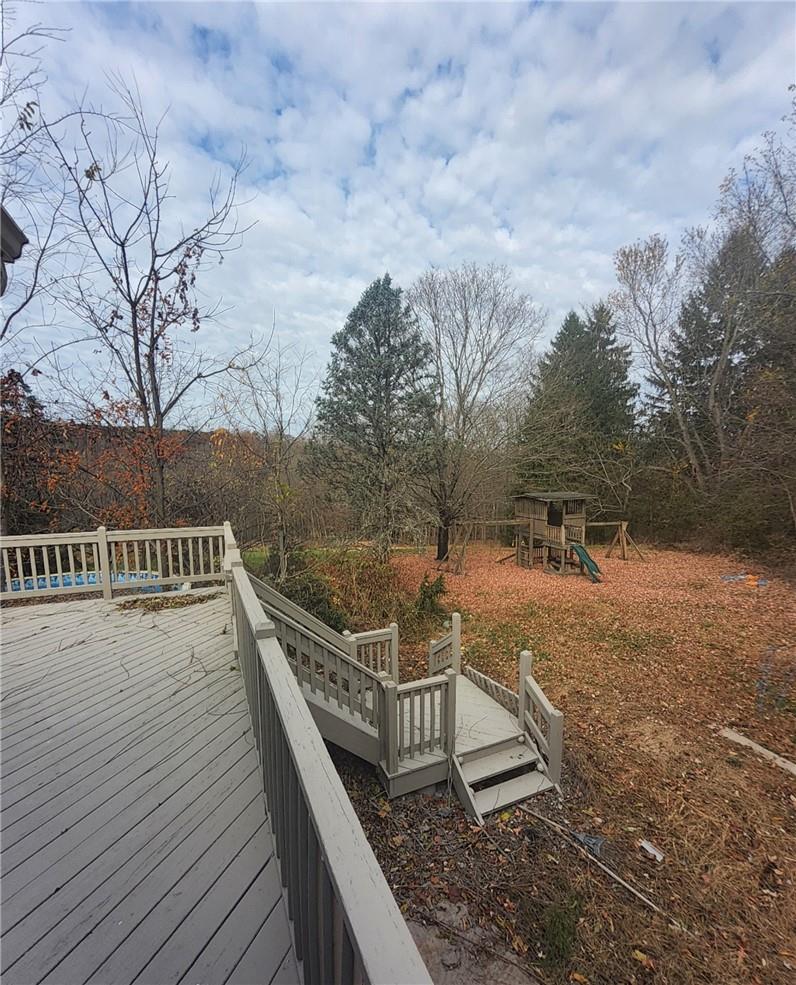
(581, 413)
(375, 411)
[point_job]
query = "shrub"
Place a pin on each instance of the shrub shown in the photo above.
(428, 597)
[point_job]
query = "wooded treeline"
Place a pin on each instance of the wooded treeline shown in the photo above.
(672, 399)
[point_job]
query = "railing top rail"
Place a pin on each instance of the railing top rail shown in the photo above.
(540, 697)
(372, 635)
(386, 948)
(253, 611)
(162, 533)
(437, 680)
(286, 607)
(89, 536)
(49, 540)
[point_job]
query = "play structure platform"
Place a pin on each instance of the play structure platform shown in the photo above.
(551, 532)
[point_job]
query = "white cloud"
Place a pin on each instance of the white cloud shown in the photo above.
(391, 137)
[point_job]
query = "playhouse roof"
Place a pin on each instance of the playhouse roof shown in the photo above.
(553, 497)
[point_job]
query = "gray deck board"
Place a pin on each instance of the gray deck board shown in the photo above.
(135, 841)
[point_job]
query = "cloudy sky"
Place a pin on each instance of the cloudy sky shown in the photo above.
(391, 137)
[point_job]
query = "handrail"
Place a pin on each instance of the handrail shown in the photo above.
(538, 717)
(447, 652)
(419, 729)
(347, 925)
(281, 604)
(101, 560)
(376, 649)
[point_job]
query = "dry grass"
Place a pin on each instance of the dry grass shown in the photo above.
(646, 666)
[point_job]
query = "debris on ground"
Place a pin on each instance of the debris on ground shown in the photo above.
(651, 850)
(170, 600)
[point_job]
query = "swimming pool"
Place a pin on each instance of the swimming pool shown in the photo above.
(91, 580)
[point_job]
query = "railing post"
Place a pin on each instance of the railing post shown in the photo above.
(456, 641)
(555, 741)
(105, 562)
(431, 645)
(388, 725)
(450, 717)
(352, 644)
(526, 669)
(394, 651)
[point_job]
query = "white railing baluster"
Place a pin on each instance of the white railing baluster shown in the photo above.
(112, 552)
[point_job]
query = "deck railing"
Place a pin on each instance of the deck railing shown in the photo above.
(538, 717)
(377, 649)
(347, 926)
(103, 561)
(319, 658)
(447, 652)
(420, 718)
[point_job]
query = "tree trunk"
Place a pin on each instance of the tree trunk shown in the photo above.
(443, 541)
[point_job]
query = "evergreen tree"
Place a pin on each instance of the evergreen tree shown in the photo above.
(581, 413)
(375, 411)
(586, 359)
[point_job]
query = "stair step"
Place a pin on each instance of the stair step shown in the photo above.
(506, 758)
(511, 791)
(510, 742)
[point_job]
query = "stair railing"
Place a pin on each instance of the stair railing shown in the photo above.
(377, 649)
(347, 926)
(447, 651)
(319, 657)
(538, 717)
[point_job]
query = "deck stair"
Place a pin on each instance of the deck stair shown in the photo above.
(497, 747)
(501, 774)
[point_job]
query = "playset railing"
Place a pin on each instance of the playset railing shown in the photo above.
(106, 561)
(347, 926)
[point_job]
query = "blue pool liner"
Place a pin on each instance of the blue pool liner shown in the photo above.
(92, 578)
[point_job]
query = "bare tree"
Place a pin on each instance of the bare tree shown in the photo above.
(648, 303)
(139, 296)
(33, 190)
(481, 329)
(270, 406)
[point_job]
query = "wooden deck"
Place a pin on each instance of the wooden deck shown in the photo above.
(136, 846)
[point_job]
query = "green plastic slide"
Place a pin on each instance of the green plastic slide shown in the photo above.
(587, 561)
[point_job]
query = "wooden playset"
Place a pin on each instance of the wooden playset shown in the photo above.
(551, 532)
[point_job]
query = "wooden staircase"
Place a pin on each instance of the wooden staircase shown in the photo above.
(496, 746)
(495, 776)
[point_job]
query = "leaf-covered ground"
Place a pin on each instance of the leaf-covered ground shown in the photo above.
(647, 666)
